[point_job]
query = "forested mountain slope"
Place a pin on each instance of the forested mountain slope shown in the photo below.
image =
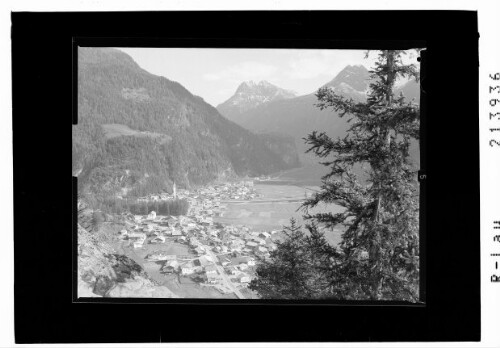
(138, 133)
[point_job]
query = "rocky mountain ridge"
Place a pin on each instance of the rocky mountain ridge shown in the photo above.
(250, 94)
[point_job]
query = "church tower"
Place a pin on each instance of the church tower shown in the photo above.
(175, 191)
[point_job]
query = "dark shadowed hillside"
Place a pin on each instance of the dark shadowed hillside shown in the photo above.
(138, 132)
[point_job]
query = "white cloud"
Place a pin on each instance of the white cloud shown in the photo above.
(243, 71)
(322, 63)
(307, 68)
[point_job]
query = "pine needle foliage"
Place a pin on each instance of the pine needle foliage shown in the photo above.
(378, 257)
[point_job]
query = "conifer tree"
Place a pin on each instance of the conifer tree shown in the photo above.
(295, 268)
(378, 257)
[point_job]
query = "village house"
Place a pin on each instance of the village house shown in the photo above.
(251, 245)
(245, 279)
(157, 240)
(148, 228)
(176, 232)
(236, 261)
(233, 270)
(123, 234)
(137, 236)
(229, 228)
(212, 278)
(199, 250)
(168, 269)
(248, 237)
(224, 261)
(156, 233)
(211, 269)
(259, 240)
(158, 257)
(168, 231)
(235, 247)
(172, 263)
(187, 269)
(152, 215)
(207, 220)
(225, 237)
(265, 235)
(205, 260)
(262, 250)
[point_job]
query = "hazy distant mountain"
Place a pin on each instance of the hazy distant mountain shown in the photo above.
(139, 132)
(299, 116)
(249, 95)
(353, 81)
(411, 90)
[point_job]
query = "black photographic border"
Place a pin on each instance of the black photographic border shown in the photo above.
(52, 38)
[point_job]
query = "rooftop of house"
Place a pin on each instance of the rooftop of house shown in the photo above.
(210, 268)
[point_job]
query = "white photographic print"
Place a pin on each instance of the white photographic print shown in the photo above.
(287, 174)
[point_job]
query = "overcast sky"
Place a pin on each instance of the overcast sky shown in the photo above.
(214, 74)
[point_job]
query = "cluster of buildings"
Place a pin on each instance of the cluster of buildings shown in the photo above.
(223, 256)
(242, 190)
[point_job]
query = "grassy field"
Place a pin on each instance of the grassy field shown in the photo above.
(117, 130)
(274, 215)
(305, 176)
(184, 287)
(271, 191)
